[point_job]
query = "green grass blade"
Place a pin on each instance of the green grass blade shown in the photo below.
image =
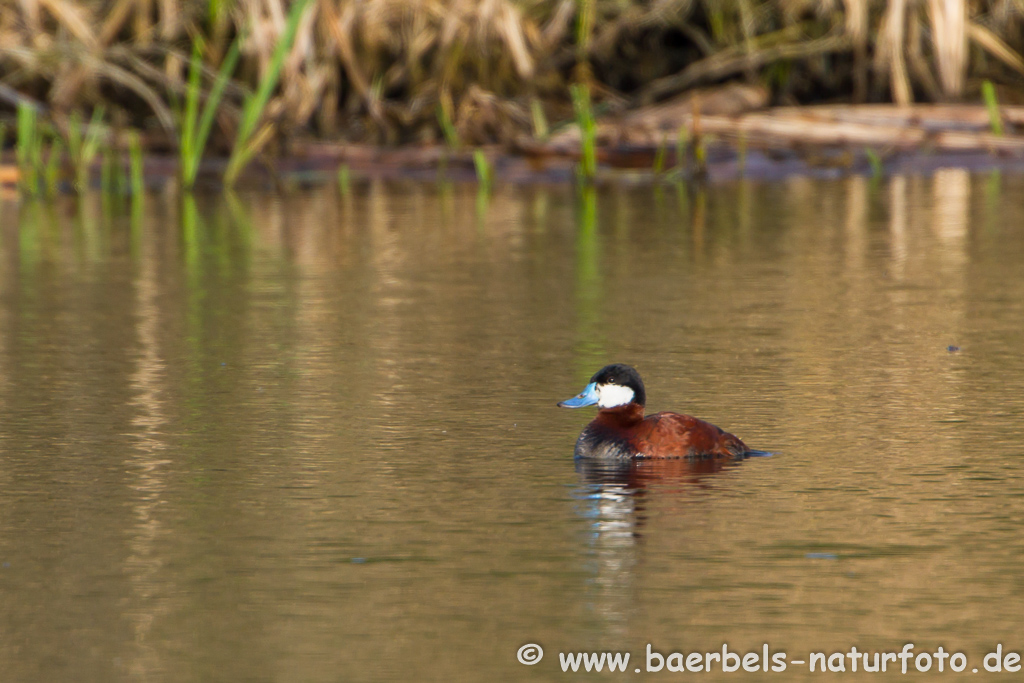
(135, 155)
(252, 111)
(588, 131)
(874, 161)
(227, 68)
(682, 141)
(195, 133)
(52, 171)
(344, 179)
(451, 136)
(484, 171)
(540, 121)
(27, 142)
(186, 146)
(241, 157)
(988, 92)
(88, 146)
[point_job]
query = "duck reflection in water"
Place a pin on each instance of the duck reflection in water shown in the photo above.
(614, 497)
(635, 476)
(616, 490)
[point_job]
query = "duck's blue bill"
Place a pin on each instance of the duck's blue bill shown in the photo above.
(587, 397)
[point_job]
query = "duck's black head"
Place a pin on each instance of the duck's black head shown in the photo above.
(619, 375)
(612, 386)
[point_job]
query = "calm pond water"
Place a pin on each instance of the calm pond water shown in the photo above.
(314, 438)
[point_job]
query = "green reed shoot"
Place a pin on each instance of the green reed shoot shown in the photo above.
(186, 147)
(682, 140)
(700, 155)
(29, 148)
(37, 156)
(874, 161)
(217, 9)
(190, 231)
(540, 121)
(588, 131)
(196, 127)
(344, 179)
(444, 119)
(51, 172)
(484, 170)
(988, 92)
(83, 146)
(249, 140)
(138, 184)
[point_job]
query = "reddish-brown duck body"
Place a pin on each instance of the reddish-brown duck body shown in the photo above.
(620, 429)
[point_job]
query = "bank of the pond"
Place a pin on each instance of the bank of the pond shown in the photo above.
(677, 141)
(668, 142)
(486, 89)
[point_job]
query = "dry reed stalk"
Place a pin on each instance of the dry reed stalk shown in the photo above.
(729, 62)
(377, 69)
(949, 37)
(30, 9)
(800, 128)
(928, 117)
(70, 16)
(142, 26)
(891, 51)
(918, 60)
(116, 19)
(555, 30)
(992, 44)
(857, 29)
(170, 30)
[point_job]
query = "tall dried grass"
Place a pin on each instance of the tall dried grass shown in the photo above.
(378, 70)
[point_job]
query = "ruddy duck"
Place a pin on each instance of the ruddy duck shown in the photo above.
(621, 431)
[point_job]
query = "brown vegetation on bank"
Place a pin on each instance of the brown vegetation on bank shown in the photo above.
(394, 71)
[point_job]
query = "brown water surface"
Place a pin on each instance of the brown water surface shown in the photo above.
(314, 437)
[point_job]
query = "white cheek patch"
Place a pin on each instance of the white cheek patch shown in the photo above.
(612, 395)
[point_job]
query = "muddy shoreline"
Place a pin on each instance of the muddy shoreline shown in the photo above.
(658, 145)
(667, 143)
